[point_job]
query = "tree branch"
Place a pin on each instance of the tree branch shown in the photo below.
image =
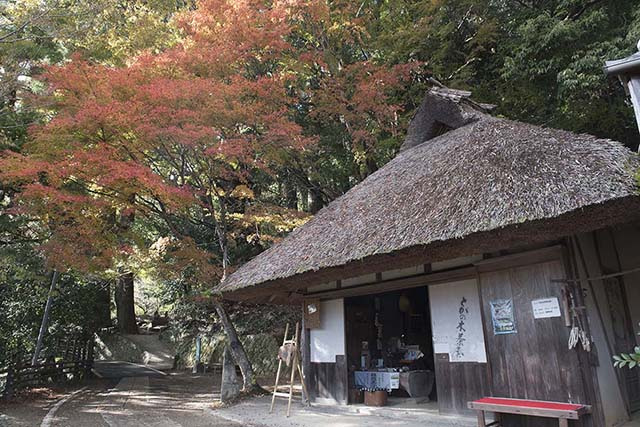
(574, 16)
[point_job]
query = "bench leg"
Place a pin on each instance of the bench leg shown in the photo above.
(481, 422)
(497, 416)
(563, 422)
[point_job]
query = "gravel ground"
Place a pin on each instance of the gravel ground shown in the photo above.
(255, 412)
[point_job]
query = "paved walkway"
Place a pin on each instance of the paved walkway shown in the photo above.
(156, 353)
(115, 369)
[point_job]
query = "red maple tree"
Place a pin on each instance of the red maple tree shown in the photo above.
(173, 140)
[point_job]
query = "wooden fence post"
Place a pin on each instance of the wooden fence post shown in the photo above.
(77, 357)
(89, 358)
(76, 364)
(8, 387)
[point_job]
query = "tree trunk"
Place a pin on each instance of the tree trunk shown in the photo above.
(371, 164)
(103, 304)
(45, 317)
(221, 230)
(290, 194)
(229, 386)
(249, 382)
(125, 304)
(316, 201)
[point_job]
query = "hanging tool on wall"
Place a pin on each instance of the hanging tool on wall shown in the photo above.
(578, 332)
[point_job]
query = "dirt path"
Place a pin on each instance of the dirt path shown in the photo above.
(174, 400)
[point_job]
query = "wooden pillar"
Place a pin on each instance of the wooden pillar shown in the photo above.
(574, 260)
(305, 351)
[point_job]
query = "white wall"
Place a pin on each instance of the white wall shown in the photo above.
(328, 341)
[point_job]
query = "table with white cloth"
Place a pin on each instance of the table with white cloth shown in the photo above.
(373, 380)
(415, 383)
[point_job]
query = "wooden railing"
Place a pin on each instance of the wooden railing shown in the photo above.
(73, 361)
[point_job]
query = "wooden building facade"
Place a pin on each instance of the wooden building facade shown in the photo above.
(490, 258)
(534, 360)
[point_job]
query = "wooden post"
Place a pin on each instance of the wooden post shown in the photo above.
(89, 361)
(77, 358)
(306, 360)
(8, 387)
(481, 420)
(563, 422)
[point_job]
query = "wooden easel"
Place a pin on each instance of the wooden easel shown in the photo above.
(295, 366)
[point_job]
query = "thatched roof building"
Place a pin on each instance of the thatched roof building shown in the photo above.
(464, 182)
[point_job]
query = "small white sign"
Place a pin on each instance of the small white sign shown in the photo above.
(441, 344)
(394, 380)
(545, 308)
(440, 347)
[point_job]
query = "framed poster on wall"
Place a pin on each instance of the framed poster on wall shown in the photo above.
(502, 317)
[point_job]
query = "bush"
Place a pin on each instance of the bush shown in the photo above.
(628, 359)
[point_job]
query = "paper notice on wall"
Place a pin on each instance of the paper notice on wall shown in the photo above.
(441, 344)
(457, 322)
(545, 308)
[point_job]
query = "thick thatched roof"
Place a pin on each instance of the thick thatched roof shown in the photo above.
(485, 177)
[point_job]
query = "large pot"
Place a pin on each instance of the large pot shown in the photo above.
(375, 398)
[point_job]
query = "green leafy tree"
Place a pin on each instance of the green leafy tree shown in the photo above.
(538, 61)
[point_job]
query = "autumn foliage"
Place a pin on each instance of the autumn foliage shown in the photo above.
(167, 149)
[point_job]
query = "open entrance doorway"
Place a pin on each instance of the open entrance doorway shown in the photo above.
(389, 348)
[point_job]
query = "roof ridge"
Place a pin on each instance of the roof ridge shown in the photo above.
(459, 95)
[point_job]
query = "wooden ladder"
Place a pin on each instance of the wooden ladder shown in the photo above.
(295, 366)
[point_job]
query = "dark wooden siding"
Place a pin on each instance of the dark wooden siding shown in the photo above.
(324, 380)
(458, 383)
(329, 380)
(533, 363)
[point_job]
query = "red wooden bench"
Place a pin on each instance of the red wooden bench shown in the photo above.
(536, 408)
